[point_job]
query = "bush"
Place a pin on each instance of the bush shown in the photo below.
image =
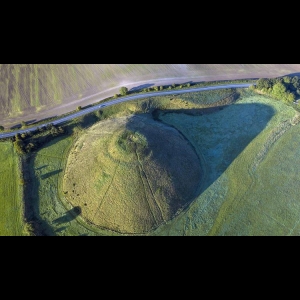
(19, 146)
(123, 90)
(30, 147)
(281, 88)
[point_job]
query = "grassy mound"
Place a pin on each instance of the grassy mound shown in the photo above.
(131, 174)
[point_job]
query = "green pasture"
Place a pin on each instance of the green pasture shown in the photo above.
(250, 151)
(11, 205)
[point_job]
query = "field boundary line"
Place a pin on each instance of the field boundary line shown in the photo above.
(102, 201)
(155, 201)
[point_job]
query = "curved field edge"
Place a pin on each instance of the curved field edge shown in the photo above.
(12, 222)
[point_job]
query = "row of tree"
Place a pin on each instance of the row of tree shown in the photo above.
(282, 88)
(122, 92)
(28, 141)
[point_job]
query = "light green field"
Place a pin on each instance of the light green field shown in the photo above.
(11, 205)
(251, 186)
(55, 217)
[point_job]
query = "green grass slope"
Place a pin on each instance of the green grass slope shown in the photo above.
(11, 205)
(52, 213)
(131, 174)
(251, 155)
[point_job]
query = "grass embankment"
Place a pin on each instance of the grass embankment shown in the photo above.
(138, 173)
(11, 206)
(251, 153)
(49, 214)
(51, 211)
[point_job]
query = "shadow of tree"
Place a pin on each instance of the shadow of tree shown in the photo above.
(47, 175)
(61, 229)
(141, 87)
(69, 216)
(41, 167)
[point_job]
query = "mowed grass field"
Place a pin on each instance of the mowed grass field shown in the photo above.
(31, 91)
(11, 204)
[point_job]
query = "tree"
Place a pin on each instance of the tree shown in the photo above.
(1, 128)
(23, 123)
(19, 146)
(279, 90)
(79, 108)
(123, 90)
(287, 79)
(296, 82)
(263, 83)
(98, 113)
(290, 97)
(30, 147)
(61, 130)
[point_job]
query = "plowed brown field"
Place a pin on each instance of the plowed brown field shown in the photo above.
(33, 91)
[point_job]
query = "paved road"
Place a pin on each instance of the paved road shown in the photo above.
(123, 99)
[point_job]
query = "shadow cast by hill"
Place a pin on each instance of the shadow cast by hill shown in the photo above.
(248, 121)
